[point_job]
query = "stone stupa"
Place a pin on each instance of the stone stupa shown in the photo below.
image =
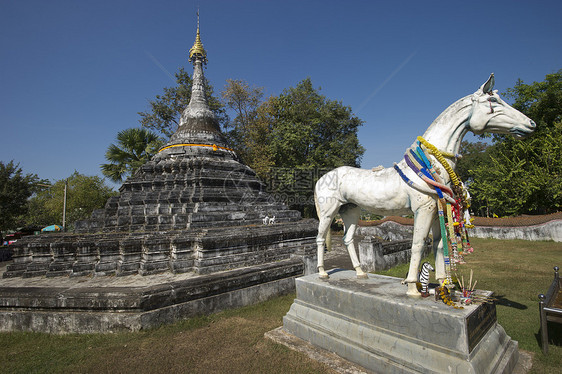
(194, 210)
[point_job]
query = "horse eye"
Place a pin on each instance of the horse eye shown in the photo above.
(492, 99)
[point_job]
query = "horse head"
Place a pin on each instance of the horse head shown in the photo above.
(491, 114)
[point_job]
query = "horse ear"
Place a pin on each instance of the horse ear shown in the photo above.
(489, 85)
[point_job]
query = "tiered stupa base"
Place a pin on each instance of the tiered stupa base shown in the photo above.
(187, 220)
(198, 251)
(198, 215)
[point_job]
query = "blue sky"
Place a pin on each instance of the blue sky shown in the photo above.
(74, 73)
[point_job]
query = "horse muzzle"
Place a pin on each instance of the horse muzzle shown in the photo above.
(523, 132)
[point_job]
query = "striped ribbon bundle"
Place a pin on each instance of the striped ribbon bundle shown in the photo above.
(451, 201)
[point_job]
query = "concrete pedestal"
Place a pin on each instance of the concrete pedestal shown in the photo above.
(373, 323)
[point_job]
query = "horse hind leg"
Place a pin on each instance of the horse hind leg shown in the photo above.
(350, 215)
(325, 220)
(323, 231)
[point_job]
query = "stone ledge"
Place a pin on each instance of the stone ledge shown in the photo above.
(550, 230)
(547, 231)
(343, 366)
(98, 308)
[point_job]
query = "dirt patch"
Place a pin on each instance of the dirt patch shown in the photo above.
(230, 342)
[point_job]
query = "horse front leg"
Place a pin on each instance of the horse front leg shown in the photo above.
(423, 219)
(438, 251)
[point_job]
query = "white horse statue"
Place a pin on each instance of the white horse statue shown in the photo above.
(346, 189)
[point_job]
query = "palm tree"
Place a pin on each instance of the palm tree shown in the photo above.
(135, 146)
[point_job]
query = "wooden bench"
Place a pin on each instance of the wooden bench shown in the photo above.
(550, 307)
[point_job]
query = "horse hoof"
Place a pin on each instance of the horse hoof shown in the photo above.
(413, 290)
(360, 273)
(322, 274)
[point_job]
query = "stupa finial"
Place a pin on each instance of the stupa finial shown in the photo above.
(197, 51)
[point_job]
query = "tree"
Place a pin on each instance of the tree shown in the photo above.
(522, 177)
(310, 130)
(541, 101)
(135, 146)
(473, 155)
(166, 109)
(311, 135)
(250, 129)
(84, 194)
(292, 139)
(15, 188)
(525, 176)
(244, 100)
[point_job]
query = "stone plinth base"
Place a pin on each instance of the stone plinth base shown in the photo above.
(374, 324)
(110, 304)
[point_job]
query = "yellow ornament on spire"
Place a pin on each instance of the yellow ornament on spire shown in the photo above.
(197, 51)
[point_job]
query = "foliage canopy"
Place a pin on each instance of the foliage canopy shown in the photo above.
(290, 140)
(249, 127)
(15, 188)
(84, 194)
(522, 176)
(310, 130)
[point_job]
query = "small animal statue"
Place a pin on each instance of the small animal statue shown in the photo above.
(265, 220)
(272, 220)
(346, 190)
(423, 278)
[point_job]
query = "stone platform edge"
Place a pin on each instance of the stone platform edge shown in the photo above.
(373, 324)
(111, 309)
(343, 366)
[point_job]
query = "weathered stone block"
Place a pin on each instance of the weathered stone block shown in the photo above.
(182, 253)
(151, 209)
(86, 257)
(138, 219)
(110, 222)
(138, 210)
(130, 251)
(123, 220)
(164, 209)
(164, 219)
(109, 256)
(21, 257)
(376, 255)
(151, 220)
(155, 255)
(41, 258)
(373, 323)
(63, 257)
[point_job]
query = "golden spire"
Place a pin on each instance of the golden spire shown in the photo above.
(197, 51)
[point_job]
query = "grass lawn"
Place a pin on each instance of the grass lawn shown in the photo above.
(233, 342)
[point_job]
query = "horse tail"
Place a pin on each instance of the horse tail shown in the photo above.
(316, 203)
